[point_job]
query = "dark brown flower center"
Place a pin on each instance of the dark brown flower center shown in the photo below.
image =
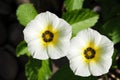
(89, 53)
(47, 36)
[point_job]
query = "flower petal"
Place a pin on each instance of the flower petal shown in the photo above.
(64, 30)
(107, 47)
(75, 47)
(48, 18)
(37, 50)
(32, 30)
(64, 45)
(30, 34)
(90, 35)
(79, 67)
(101, 67)
(55, 52)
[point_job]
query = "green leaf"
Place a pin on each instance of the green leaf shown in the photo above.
(112, 29)
(114, 62)
(65, 73)
(81, 19)
(37, 69)
(22, 49)
(73, 4)
(25, 13)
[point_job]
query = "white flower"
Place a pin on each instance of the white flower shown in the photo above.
(48, 36)
(90, 53)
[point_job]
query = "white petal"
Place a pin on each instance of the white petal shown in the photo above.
(78, 42)
(73, 52)
(64, 46)
(60, 49)
(41, 54)
(64, 29)
(89, 35)
(30, 34)
(76, 47)
(32, 30)
(48, 18)
(107, 47)
(43, 20)
(53, 19)
(79, 67)
(101, 67)
(64, 35)
(55, 52)
(37, 25)
(37, 50)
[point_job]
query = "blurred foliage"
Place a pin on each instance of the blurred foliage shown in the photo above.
(22, 49)
(80, 19)
(73, 4)
(65, 73)
(25, 13)
(37, 69)
(112, 29)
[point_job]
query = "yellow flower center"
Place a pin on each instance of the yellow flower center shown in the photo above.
(89, 53)
(47, 36)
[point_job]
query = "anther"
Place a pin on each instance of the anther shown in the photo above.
(47, 36)
(89, 53)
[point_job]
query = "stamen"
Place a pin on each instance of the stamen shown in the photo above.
(47, 36)
(89, 53)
